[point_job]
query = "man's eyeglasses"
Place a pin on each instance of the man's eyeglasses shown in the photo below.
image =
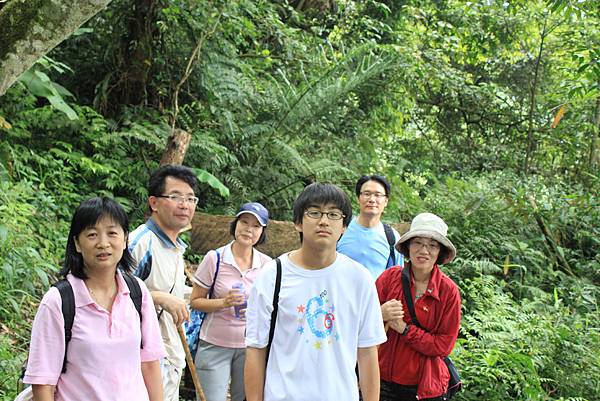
(180, 198)
(317, 214)
(368, 195)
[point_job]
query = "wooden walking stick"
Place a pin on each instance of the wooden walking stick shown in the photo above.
(191, 365)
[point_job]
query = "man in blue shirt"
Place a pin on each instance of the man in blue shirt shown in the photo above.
(365, 239)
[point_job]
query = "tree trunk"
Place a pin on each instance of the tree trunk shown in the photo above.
(532, 104)
(29, 29)
(594, 155)
(136, 55)
(177, 146)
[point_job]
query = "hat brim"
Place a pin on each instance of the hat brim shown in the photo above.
(433, 235)
(260, 220)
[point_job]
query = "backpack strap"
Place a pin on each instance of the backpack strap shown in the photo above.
(275, 305)
(391, 239)
(212, 286)
(68, 312)
(407, 296)
(135, 293)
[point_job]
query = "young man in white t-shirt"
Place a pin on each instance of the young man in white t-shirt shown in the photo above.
(328, 317)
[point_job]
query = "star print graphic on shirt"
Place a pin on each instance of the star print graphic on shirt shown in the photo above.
(316, 321)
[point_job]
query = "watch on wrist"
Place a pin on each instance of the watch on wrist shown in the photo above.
(405, 330)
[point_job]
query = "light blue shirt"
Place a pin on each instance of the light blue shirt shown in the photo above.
(369, 247)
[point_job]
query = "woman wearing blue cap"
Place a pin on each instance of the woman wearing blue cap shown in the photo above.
(221, 285)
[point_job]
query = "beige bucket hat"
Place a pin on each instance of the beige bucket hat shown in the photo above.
(428, 225)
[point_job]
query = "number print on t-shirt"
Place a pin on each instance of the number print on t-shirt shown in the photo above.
(316, 321)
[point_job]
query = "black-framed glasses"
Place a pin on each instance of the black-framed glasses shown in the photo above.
(180, 198)
(317, 214)
(368, 195)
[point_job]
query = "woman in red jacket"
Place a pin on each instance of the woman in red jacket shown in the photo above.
(411, 361)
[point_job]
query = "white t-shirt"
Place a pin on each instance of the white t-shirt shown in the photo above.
(324, 316)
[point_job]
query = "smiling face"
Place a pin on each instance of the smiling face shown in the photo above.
(247, 230)
(322, 232)
(101, 245)
(170, 215)
(423, 253)
(372, 199)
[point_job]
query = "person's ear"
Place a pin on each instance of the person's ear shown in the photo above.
(153, 202)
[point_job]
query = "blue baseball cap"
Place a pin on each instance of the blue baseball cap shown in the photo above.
(257, 210)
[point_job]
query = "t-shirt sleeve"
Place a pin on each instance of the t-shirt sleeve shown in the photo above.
(260, 307)
(371, 330)
(141, 250)
(399, 256)
(206, 270)
(47, 345)
(153, 348)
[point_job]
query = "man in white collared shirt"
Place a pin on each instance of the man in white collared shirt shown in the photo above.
(158, 251)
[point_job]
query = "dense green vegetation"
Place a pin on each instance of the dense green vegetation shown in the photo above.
(486, 113)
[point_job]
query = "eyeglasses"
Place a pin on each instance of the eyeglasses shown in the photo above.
(180, 198)
(430, 246)
(368, 195)
(317, 214)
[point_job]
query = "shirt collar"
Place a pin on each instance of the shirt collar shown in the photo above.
(164, 238)
(227, 257)
(82, 294)
(434, 282)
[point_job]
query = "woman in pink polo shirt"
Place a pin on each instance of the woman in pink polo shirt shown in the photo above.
(104, 358)
(232, 268)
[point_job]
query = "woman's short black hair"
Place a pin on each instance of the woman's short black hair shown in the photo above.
(156, 183)
(377, 178)
(317, 194)
(87, 214)
(263, 235)
(441, 256)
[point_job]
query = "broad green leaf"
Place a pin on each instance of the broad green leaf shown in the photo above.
(208, 178)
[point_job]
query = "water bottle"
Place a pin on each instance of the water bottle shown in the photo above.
(237, 308)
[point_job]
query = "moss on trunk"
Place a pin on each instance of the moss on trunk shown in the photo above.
(31, 28)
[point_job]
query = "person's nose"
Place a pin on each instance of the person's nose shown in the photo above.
(324, 220)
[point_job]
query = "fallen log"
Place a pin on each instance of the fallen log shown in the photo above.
(211, 231)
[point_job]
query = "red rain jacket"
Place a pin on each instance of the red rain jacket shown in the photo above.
(417, 357)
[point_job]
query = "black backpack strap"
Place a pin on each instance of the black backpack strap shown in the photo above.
(68, 312)
(407, 296)
(135, 293)
(391, 239)
(212, 286)
(275, 306)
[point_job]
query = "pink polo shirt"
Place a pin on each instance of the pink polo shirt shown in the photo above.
(104, 356)
(222, 328)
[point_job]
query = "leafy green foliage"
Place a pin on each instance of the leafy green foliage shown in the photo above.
(450, 100)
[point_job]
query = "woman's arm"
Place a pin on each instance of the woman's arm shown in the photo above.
(43, 392)
(199, 301)
(441, 342)
(153, 380)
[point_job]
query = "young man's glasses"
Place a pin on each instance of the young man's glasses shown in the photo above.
(317, 214)
(368, 195)
(180, 198)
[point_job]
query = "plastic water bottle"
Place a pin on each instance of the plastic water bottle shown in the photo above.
(238, 308)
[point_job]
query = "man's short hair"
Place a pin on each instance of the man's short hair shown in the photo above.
(156, 183)
(317, 194)
(377, 178)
